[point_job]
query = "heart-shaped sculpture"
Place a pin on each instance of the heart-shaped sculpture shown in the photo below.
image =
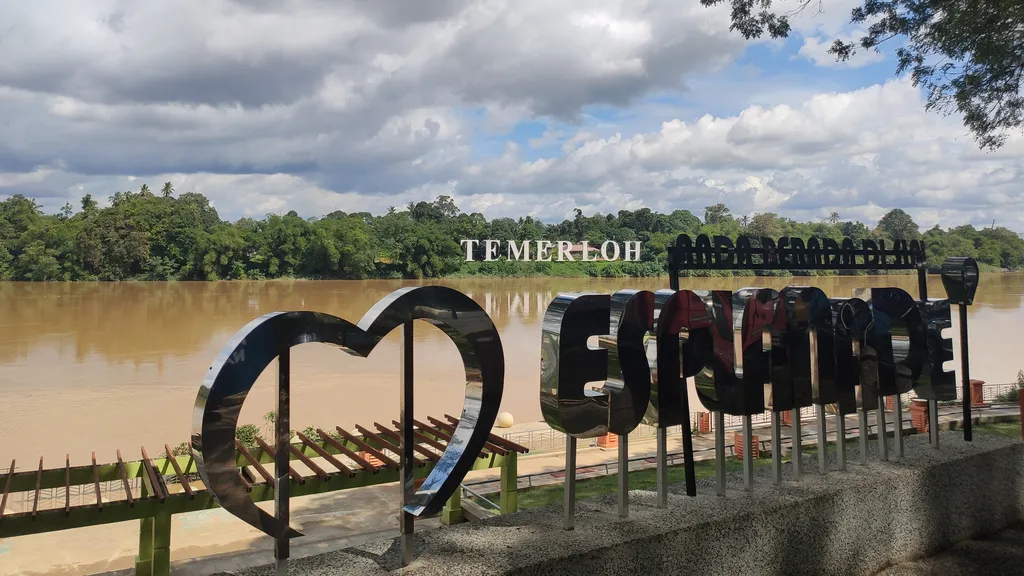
(255, 346)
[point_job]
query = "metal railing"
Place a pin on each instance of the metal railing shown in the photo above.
(479, 499)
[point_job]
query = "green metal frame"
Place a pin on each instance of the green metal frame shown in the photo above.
(155, 516)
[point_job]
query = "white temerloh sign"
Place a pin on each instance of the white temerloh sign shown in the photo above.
(558, 250)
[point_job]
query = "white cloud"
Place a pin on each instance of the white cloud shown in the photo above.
(318, 106)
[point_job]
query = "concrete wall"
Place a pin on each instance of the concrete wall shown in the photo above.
(854, 523)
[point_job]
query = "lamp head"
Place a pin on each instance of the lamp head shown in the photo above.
(960, 279)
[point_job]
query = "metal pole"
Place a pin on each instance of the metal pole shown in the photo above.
(933, 405)
(862, 417)
(898, 424)
(624, 476)
(883, 445)
(776, 449)
(748, 456)
(691, 473)
(662, 468)
(822, 440)
(282, 437)
(407, 475)
(798, 444)
(720, 453)
(841, 440)
(965, 370)
(569, 502)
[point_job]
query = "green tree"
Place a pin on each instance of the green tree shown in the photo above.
(898, 225)
(966, 56)
(716, 214)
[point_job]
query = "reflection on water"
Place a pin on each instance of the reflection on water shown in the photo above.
(92, 366)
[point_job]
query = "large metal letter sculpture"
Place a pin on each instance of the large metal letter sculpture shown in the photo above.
(810, 340)
(683, 346)
(249, 351)
(567, 365)
(629, 374)
(621, 362)
(852, 320)
(718, 388)
(763, 369)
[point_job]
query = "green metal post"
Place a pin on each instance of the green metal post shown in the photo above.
(162, 544)
(144, 561)
(509, 484)
(452, 512)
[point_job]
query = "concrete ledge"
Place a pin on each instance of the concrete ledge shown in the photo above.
(851, 523)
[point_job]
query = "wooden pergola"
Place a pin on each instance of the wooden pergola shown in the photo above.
(337, 460)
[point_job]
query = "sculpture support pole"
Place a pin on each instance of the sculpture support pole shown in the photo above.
(691, 472)
(862, 422)
(748, 456)
(569, 502)
(883, 440)
(662, 468)
(965, 371)
(624, 476)
(282, 438)
(797, 443)
(841, 440)
(822, 439)
(898, 424)
(407, 474)
(933, 405)
(720, 453)
(776, 449)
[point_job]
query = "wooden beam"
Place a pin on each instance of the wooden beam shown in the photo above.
(309, 463)
(177, 471)
(416, 447)
(324, 454)
(273, 454)
(493, 438)
(255, 463)
(387, 443)
(124, 479)
(426, 439)
(358, 442)
(343, 449)
(96, 483)
(9, 479)
(449, 429)
(158, 490)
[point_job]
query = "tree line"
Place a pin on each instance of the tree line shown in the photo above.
(166, 236)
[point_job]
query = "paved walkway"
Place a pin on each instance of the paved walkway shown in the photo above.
(213, 541)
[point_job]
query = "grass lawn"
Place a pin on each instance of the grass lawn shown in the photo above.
(552, 495)
(1008, 429)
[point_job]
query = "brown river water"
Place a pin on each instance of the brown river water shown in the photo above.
(99, 366)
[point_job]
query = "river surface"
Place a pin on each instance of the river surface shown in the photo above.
(90, 367)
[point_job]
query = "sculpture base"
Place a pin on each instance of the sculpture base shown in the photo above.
(844, 523)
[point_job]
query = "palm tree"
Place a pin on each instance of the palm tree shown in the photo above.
(833, 218)
(167, 190)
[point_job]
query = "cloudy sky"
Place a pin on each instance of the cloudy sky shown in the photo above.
(514, 107)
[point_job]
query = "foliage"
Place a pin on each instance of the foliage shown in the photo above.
(968, 56)
(163, 236)
(247, 434)
(1014, 392)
